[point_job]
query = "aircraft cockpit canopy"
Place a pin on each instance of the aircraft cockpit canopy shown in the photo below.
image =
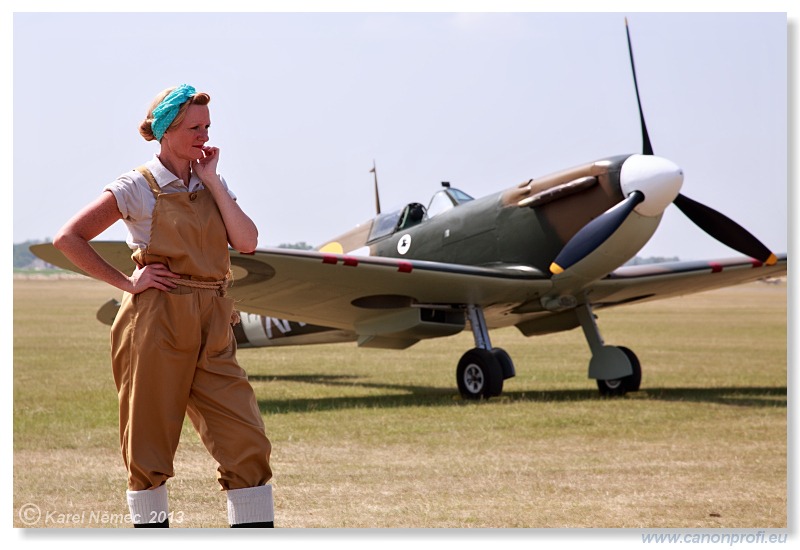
(414, 213)
(445, 200)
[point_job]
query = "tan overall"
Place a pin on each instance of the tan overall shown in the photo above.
(174, 353)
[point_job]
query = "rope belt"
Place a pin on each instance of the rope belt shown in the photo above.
(211, 285)
(221, 286)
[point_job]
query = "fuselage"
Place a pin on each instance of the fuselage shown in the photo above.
(526, 225)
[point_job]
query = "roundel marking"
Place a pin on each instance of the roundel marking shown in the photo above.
(404, 244)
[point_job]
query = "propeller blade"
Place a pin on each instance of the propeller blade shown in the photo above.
(595, 233)
(724, 229)
(647, 148)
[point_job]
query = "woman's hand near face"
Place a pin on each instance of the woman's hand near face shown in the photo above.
(242, 232)
(206, 167)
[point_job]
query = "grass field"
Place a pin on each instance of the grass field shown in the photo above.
(373, 438)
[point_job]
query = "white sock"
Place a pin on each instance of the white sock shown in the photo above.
(250, 505)
(149, 506)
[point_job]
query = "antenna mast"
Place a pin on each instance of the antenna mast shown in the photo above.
(377, 196)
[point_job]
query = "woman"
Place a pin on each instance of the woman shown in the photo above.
(172, 345)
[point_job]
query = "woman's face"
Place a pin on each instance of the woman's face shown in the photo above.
(186, 140)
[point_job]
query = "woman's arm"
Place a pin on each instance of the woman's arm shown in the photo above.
(73, 241)
(242, 232)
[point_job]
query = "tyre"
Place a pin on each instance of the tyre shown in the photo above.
(479, 375)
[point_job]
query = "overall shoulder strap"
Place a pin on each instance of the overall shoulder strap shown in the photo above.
(151, 181)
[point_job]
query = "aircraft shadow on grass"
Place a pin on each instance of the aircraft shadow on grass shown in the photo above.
(415, 395)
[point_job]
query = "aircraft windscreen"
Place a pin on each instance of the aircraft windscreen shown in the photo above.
(384, 225)
(459, 196)
(445, 200)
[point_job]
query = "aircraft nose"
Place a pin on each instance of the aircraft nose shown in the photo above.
(659, 179)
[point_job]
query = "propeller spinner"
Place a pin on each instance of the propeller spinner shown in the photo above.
(651, 183)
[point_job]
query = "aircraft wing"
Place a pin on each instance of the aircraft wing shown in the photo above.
(321, 288)
(388, 302)
(116, 253)
(665, 280)
(373, 295)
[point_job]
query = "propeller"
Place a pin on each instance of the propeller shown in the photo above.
(647, 147)
(715, 224)
(595, 233)
(724, 229)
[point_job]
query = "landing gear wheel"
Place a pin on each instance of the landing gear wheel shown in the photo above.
(621, 386)
(633, 381)
(479, 375)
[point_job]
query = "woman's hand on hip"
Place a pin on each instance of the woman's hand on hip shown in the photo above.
(152, 276)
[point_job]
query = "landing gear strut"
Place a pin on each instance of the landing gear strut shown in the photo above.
(616, 369)
(481, 370)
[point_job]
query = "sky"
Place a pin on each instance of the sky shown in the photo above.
(303, 103)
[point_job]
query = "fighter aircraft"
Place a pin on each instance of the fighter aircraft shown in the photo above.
(541, 256)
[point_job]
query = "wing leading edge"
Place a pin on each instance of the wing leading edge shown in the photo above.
(666, 280)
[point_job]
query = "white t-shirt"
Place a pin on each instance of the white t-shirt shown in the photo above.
(135, 200)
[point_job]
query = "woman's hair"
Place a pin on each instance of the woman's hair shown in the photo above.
(146, 127)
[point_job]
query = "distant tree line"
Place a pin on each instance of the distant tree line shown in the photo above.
(638, 260)
(24, 258)
(302, 245)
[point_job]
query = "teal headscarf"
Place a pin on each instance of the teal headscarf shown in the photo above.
(166, 111)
